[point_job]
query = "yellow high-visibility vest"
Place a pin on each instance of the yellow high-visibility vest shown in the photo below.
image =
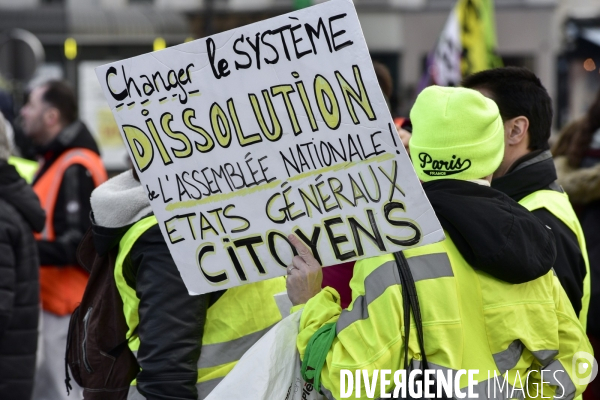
(558, 204)
(471, 320)
(26, 168)
(237, 320)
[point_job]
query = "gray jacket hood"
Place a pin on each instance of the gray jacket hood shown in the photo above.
(116, 205)
(119, 202)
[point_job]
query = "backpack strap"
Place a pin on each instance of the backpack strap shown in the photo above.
(410, 303)
(118, 349)
(72, 323)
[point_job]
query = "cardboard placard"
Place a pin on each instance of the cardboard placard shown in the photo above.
(273, 128)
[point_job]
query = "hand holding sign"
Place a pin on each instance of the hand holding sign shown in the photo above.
(305, 275)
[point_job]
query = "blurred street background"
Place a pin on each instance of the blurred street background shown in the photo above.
(559, 40)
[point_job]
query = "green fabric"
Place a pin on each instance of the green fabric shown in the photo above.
(477, 36)
(457, 134)
(298, 4)
(316, 353)
(489, 30)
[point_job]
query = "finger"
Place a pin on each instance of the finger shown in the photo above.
(302, 249)
(299, 263)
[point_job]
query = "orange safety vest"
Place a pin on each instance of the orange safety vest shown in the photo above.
(62, 287)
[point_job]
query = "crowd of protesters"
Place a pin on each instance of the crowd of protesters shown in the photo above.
(514, 287)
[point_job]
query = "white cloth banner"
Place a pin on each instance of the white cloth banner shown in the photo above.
(447, 54)
(278, 127)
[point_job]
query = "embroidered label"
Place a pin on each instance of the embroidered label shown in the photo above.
(443, 167)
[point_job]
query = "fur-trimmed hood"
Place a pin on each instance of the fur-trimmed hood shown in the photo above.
(116, 205)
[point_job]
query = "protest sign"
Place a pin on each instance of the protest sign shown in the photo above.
(273, 128)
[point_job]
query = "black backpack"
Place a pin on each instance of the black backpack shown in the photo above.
(97, 352)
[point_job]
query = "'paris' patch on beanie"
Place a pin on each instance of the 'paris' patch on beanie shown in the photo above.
(443, 167)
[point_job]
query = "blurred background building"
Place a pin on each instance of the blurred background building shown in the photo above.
(558, 39)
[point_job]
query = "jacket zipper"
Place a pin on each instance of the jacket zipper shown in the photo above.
(86, 320)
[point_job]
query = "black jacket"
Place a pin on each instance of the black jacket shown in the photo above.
(529, 174)
(171, 321)
(20, 214)
(72, 205)
(493, 233)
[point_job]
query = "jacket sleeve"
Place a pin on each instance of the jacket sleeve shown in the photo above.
(559, 377)
(581, 184)
(171, 322)
(71, 218)
(8, 271)
(359, 343)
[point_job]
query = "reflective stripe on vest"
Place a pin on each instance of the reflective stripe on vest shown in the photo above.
(558, 204)
(62, 287)
(237, 320)
(430, 266)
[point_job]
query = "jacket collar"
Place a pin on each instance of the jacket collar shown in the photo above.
(530, 173)
(73, 135)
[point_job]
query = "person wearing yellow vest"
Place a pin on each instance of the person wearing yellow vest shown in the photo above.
(185, 345)
(527, 173)
(70, 168)
(471, 320)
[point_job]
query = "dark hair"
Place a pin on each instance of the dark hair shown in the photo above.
(60, 96)
(518, 92)
(384, 78)
(576, 137)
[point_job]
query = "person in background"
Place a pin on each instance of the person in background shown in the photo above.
(471, 317)
(21, 144)
(26, 168)
(577, 160)
(527, 172)
(386, 83)
(70, 169)
(20, 215)
(185, 345)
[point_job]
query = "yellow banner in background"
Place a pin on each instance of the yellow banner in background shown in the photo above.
(478, 36)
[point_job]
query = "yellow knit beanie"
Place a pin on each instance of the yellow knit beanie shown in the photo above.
(457, 134)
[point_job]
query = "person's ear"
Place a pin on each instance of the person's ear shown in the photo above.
(516, 130)
(51, 116)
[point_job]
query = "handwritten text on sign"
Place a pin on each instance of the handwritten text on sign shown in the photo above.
(274, 128)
